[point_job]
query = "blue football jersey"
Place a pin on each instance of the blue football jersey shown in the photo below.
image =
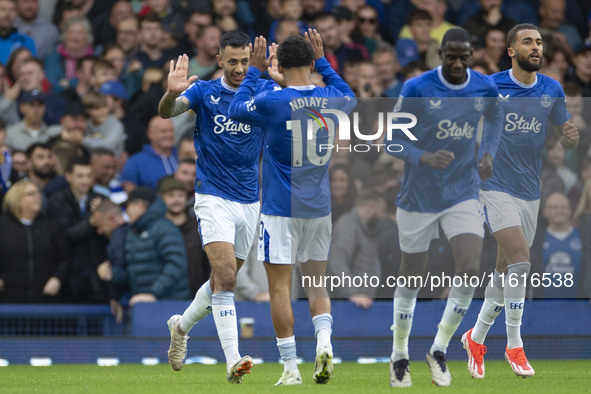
(562, 255)
(227, 151)
(447, 118)
(295, 169)
(529, 111)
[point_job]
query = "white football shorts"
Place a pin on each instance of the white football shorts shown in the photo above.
(417, 229)
(502, 210)
(284, 240)
(222, 220)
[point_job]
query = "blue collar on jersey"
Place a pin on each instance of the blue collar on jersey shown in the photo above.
(451, 85)
(521, 84)
(226, 86)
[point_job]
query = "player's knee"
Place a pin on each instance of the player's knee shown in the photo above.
(517, 254)
(470, 270)
(519, 269)
(225, 278)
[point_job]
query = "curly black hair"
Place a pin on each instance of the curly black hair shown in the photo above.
(295, 51)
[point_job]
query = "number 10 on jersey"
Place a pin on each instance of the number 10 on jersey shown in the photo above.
(316, 147)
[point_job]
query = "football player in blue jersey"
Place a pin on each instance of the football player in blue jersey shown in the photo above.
(295, 219)
(226, 193)
(440, 188)
(511, 197)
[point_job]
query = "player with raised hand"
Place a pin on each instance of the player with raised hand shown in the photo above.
(440, 188)
(511, 197)
(295, 220)
(226, 193)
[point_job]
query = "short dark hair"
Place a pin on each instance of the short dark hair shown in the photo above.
(150, 17)
(512, 34)
(419, 15)
(456, 34)
(203, 29)
(325, 15)
(35, 60)
(366, 196)
(100, 151)
(572, 89)
(234, 39)
(31, 148)
(83, 59)
(76, 161)
(295, 51)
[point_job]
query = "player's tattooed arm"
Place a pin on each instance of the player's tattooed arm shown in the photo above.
(568, 134)
(171, 104)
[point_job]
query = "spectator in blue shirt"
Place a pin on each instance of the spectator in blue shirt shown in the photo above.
(156, 160)
(10, 38)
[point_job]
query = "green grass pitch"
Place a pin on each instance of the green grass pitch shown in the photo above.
(551, 377)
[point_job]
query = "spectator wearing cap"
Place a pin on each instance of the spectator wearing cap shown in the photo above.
(104, 130)
(172, 191)
(31, 76)
(32, 128)
(116, 96)
(28, 22)
(10, 38)
(154, 251)
(156, 160)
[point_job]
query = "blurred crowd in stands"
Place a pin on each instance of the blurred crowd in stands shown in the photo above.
(97, 190)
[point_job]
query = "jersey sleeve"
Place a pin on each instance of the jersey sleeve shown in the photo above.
(194, 94)
(331, 78)
(245, 108)
(493, 123)
(407, 103)
(559, 114)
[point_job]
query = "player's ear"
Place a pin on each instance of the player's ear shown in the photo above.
(280, 69)
(511, 52)
(440, 55)
(219, 60)
(312, 66)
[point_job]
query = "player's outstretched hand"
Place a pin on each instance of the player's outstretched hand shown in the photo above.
(273, 69)
(485, 167)
(570, 135)
(438, 160)
(177, 76)
(258, 55)
(313, 37)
